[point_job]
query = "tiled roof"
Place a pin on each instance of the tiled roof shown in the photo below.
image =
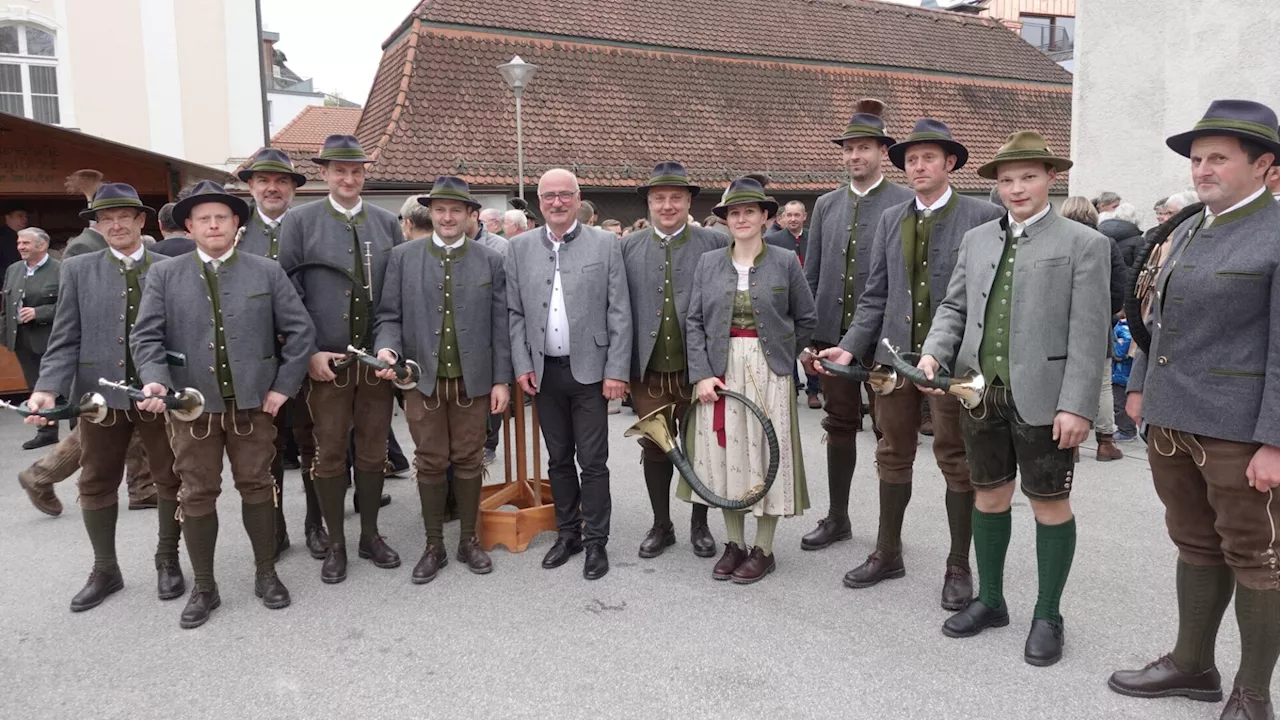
(305, 134)
(858, 32)
(610, 113)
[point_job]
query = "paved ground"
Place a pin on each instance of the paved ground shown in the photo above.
(654, 639)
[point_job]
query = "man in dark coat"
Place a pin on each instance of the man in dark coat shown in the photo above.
(1121, 225)
(30, 293)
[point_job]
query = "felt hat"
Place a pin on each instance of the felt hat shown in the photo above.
(867, 122)
(209, 191)
(274, 161)
(343, 148)
(1244, 119)
(114, 195)
(448, 187)
(1023, 145)
(669, 173)
(743, 191)
(928, 130)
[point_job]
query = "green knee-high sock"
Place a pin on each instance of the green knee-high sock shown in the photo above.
(467, 490)
(842, 455)
(1204, 592)
(432, 495)
(991, 533)
(369, 493)
(699, 516)
(1055, 547)
(260, 524)
(170, 530)
(960, 520)
(1258, 612)
(314, 517)
(101, 526)
(331, 492)
(201, 534)
(894, 498)
(735, 527)
(657, 480)
(765, 527)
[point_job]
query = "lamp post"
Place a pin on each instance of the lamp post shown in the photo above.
(518, 73)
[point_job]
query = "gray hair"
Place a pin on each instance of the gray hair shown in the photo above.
(41, 235)
(1123, 211)
(1107, 198)
(418, 215)
(488, 214)
(1178, 201)
(517, 218)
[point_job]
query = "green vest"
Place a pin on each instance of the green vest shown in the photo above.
(133, 297)
(450, 365)
(668, 351)
(743, 317)
(850, 274)
(360, 302)
(916, 229)
(993, 354)
(222, 364)
(273, 232)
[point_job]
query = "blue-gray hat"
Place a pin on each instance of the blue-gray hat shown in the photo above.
(742, 191)
(867, 122)
(928, 130)
(449, 187)
(669, 173)
(344, 148)
(114, 195)
(1244, 119)
(207, 191)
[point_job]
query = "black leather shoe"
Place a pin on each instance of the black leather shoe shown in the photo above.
(704, 546)
(433, 558)
(355, 504)
(273, 592)
(474, 557)
(597, 564)
(40, 440)
(657, 540)
(377, 550)
(877, 567)
(1162, 678)
(829, 531)
(169, 582)
(282, 543)
(101, 583)
(1044, 642)
(200, 605)
(334, 569)
(560, 553)
(291, 463)
(317, 541)
(1247, 704)
(975, 618)
(957, 588)
(151, 502)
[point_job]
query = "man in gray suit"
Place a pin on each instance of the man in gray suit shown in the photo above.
(1028, 308)
(233, 361)
(1207, 387)
(915, 250)
(95, 318)
(30, 293)
(836, 265)
(571, 348)
(90, 240)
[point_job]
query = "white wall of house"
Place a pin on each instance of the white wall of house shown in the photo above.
(285, 106)
(128, 71)
(1147, 70)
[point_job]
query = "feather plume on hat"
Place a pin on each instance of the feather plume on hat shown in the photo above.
(870, 106)
(84, 182)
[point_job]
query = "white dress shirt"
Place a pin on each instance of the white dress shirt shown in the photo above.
(348, 213)
(269, 223)
(128, 260)
(936, 206)
(32, 270)
(860, 193)
(557, 344)
(1021, 227)
(441, 244)
(1210, 216)
(206, 258)
(664, 238)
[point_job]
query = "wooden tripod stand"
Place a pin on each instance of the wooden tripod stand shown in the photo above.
(513, 513)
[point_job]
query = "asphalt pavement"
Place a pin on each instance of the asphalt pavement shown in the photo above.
(653, 639)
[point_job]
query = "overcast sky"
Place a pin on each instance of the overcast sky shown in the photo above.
(337, 43)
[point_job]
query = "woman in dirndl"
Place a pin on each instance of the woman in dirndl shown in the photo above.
(750, 315)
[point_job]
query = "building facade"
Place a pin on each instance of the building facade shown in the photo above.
(117, 70)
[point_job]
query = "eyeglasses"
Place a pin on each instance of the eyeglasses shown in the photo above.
(564, 196)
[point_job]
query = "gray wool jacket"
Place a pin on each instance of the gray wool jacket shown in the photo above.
(884, 308)
(645, 259)
(315, 233)
(780, 300)
(1214, 363)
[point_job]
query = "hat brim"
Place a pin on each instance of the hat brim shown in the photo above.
(325, 161)
(898, 151)
(182, 210)
(426, 200)
(92, 214)
(769, 205)
(990, 170)
(1181, 143)
(693, 189)
(298, 178)
(883, 139)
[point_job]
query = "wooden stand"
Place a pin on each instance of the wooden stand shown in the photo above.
(513, 513)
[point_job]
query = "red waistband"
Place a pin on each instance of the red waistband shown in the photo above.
(742, 332)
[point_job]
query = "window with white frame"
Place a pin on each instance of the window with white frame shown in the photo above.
(29, 73)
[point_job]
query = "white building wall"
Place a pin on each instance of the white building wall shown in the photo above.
(286, 106)
(1147, 70)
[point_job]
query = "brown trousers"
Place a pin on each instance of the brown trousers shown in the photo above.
(355, 399)
(249, 439)
(64, 460)
(448, 428)
(898, 417)
(1213, 516)
(104, 446)
(653, 391)
(843, 403)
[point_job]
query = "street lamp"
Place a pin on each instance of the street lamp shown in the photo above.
(518, 73)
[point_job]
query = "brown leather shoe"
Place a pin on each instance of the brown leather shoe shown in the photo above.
(200, 606)
(815, 403)
(1247, 704)
(474, 557)
(334, 569)
(317, 541)
(926, 428)
(657, 540)
(45, 500)
(733, 556)
(704, 546)
(433, 558)
(1163, 679)
(758, 565)
(957, 588)
(169, 581)
(150, 502)
(877, 567)
(377, 550)
(1107, 450)
(273, 592)
(101, 584)
(829, 531)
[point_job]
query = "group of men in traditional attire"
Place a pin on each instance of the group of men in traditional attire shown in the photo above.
(575, 318)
